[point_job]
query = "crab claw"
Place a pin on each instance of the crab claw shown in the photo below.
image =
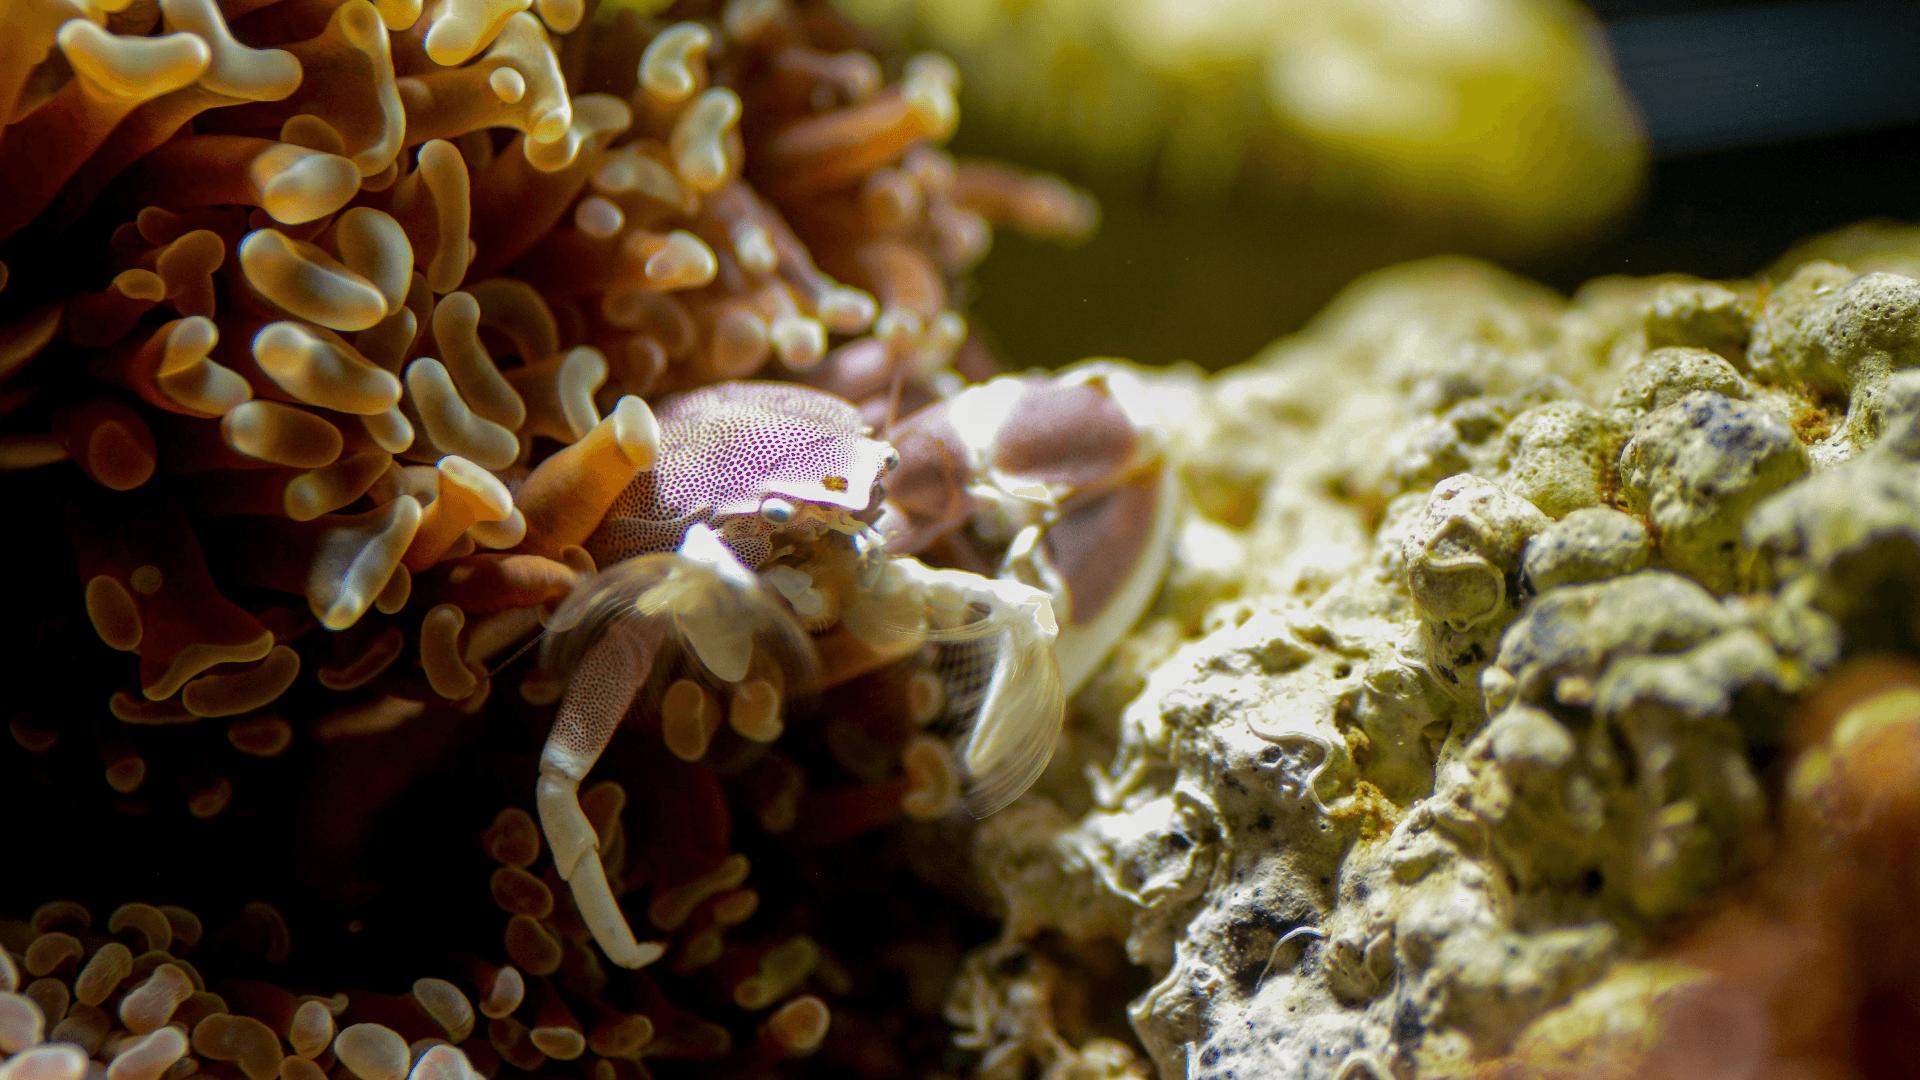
(605, 640)
(995, 640)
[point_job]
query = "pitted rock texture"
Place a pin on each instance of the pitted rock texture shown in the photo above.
(1834, 331)
(1463, 563)
(1697, 467)
(1664, 376)
(1476, 658)
(1590, 544)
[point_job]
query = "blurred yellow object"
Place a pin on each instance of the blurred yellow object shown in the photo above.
(1502, 117)
(610, 8)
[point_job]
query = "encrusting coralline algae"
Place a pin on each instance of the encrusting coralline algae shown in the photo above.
(1478, 665)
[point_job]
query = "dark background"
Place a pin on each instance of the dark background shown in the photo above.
(1768, 123)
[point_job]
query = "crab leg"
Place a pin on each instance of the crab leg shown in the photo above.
(598, 697)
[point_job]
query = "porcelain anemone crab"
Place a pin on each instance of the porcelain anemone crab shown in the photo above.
(760, 546)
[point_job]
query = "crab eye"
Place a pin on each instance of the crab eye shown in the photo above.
(776, 511)
(892, 459)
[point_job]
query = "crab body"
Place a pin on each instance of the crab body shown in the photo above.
(1060, 481)
(758, 537)
(752, 460)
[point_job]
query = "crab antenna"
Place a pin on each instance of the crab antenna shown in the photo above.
(517, 654)
(893, 402)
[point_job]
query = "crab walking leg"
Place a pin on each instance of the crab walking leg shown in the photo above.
(597, 699)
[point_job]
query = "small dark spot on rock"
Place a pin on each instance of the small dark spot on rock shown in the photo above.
(1176, 842)
(1593, 881)
(1275, 923)
(1270, 755)
(1342, 669)
(1624, 754)
(1247, 976)
(1210, 1056)
(1407, 1027)
(1279, 657)
(1263, 822)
